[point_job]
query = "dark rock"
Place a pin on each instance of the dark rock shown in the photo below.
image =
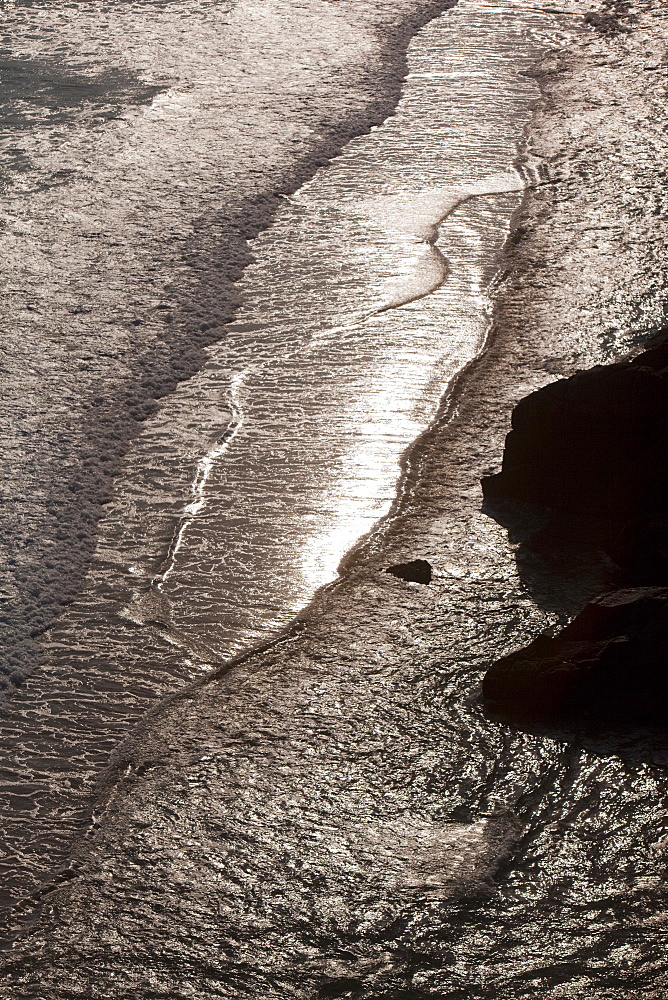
(593, 449)
(595, 443)
(417, 571)
(625, 612)
(610, 663)
(640, 547)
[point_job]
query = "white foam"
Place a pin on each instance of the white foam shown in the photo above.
(416, 218)
(203, 472)
(421, 213)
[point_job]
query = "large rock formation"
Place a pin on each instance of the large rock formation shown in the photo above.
(592, 450)
(610, 663)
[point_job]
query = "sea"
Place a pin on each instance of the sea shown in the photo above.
(242, 760)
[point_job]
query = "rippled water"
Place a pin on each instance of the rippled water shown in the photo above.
(244, 492)
(285, 449)
(335, 816)
(242, 495)
(130, 186)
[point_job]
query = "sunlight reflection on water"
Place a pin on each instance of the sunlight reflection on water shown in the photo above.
(335, 390)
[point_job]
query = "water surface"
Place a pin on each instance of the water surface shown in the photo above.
(285, 449)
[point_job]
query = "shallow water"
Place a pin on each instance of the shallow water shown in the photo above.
(269, 464)
(144, 142)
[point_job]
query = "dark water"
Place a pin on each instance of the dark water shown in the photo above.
(335, 816)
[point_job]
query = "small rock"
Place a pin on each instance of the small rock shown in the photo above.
(416, 571)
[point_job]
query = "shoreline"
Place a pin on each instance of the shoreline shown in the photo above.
(104, 675)
(360, 91)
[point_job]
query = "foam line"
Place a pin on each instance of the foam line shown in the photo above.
(419, 216)
(205, 467)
